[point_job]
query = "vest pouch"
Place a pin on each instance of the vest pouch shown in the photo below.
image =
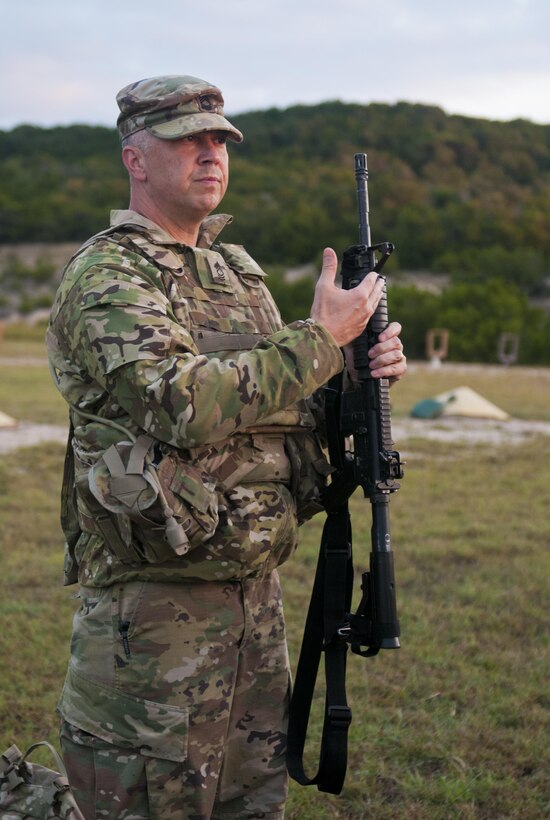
(127, 485)
(191, 494)
(95, 520)
(310, 471)
(244, 458)
(70, 523)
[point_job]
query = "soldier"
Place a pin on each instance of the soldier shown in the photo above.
(193, 458)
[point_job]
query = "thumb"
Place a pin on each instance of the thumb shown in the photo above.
(330, 266)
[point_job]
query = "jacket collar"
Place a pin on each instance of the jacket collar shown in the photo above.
(211, 227)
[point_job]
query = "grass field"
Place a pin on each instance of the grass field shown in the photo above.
(456, 723)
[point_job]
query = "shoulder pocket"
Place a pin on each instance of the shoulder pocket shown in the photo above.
(102, 291)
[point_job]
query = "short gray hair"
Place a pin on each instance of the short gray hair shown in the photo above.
(139, 139)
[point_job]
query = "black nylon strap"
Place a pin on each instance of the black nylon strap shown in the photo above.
(328, 613)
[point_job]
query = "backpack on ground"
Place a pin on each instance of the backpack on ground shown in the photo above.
(29, 790)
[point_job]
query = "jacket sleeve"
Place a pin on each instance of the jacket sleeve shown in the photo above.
(128, 341)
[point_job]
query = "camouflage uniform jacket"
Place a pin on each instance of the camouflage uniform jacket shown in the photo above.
(174, 358)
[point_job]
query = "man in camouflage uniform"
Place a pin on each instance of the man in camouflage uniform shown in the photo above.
(193, 459)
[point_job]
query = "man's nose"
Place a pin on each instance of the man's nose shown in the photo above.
(210, 152)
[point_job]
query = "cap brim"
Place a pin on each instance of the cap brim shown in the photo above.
(194, 124)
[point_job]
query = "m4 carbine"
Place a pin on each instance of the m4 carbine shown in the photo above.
(362, 455)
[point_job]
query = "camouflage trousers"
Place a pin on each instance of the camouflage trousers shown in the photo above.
(176, 700)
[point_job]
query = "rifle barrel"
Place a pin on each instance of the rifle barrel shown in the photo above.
(362, 177)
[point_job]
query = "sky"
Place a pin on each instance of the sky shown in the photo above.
(63, 61)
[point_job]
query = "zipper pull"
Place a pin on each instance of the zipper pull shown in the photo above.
(123, 629)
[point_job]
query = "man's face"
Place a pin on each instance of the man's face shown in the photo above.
(187, 178)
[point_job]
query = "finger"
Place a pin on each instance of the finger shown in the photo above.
(392, 330)
(389, 369)
(387, 352)
(330, 266)
(371, 283)
(367, 295)
(393, 345)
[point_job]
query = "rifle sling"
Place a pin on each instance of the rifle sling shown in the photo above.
(328, 612)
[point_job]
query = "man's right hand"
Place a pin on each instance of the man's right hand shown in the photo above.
(344, 313)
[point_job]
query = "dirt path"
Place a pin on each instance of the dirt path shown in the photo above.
(469, 431)
(25, 434)
(474, 432)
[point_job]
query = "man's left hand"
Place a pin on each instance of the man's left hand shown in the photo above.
(387, 360)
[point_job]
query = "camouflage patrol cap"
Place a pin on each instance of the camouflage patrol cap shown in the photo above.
(172, 107)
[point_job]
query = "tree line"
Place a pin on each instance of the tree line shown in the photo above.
(465, 197)
(455, 194)
(475, 314)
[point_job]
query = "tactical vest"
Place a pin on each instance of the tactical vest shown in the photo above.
(219, 295)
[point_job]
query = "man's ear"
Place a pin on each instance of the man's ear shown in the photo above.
(134, 162)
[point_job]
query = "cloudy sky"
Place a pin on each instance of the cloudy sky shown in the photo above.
(62, 61)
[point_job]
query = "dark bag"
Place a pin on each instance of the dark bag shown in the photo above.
(30, 790)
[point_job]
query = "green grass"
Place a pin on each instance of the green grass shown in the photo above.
(521, 391)
(455, 724)
(20, 337)
(27, 392)
(41, 404)
(34, 607)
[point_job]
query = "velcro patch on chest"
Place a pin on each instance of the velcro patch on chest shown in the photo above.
(220, 273)
(212, 270)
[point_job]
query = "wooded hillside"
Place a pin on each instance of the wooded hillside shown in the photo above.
(453, 193)
(465, 200)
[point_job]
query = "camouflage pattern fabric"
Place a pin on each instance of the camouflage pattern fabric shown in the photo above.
(178, 701)
(30, 790)
(175, 699)
(131, 315)
(171, 107)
